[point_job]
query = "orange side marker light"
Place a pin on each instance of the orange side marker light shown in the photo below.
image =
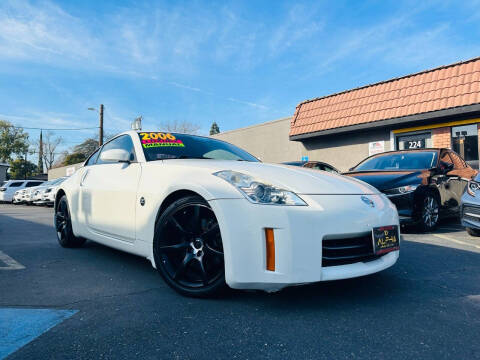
(270, 246)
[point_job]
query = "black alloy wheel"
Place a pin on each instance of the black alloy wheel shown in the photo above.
(188, 248)
(63, 226)
(429, 212)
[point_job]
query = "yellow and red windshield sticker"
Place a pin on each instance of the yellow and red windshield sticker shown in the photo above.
(159, 139)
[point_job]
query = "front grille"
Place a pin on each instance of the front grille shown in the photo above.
(347, 251)
(471, 213)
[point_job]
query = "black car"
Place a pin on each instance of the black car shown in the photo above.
(317, 165)
(424, 184)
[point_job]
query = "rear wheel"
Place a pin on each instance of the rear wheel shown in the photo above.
(428, 212)
(63, 226)
(188, 248)
(473, 232)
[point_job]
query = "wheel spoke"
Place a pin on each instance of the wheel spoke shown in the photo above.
(178, 226)
(210, 231)
(203, 272)
(210, 249)
(181, 269)
(195, 220)
(180, 246)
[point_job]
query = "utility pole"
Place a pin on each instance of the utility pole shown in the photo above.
(100, 135)
(40, 154)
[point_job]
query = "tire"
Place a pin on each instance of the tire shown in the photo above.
(473, 232)
(63, 226)
(188, 250)
(428, 212)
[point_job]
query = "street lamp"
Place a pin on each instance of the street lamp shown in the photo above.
(100, 133)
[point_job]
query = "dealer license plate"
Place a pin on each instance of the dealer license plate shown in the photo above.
(385, 239)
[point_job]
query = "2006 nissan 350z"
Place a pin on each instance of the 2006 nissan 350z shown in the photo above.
(206, 214)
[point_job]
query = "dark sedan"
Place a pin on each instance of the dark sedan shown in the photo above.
(317, 165)
(424, 184)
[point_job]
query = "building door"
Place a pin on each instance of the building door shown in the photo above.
(465, 143)
(414, 141)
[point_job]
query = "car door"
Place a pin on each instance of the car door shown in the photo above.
(108, 194)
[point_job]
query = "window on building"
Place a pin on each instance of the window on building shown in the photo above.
(465, 143)
(414, 141)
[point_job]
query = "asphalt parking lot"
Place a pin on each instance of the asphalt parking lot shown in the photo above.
(106, 304)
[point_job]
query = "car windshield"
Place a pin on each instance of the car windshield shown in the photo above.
(163, 146)
(400, 161)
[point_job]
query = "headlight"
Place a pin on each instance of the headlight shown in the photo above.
(259, 192)
(48, 190)
(400, 190)
(473, 187)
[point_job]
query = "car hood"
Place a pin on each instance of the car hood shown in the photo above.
(297, 179)
(384, 180)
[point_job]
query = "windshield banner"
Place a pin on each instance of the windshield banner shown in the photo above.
(159, 139)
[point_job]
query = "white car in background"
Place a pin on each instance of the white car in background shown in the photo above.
(206, 213)
(18, 197)
(37, 195)
(49, 193)
(8, 190)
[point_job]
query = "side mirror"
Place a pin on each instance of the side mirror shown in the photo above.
(446, 167)
(115, 155)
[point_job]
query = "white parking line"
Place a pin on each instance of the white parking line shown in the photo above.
(444, 237)
(11, 264)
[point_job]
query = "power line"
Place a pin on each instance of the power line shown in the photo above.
(52, 129)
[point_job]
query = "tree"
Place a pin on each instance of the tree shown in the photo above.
(184, 127)
(21, 169)
(40, 154)
(87, 147)
(74, 158)
(13, 141)
(214, 129)
(49, 148)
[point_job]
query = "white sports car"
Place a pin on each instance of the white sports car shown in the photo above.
(206, 213)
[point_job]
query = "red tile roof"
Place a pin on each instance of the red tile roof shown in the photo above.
(431, 90)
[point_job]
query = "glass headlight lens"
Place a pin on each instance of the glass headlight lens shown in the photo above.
(259, 192)
(473, 187)
(401, 190)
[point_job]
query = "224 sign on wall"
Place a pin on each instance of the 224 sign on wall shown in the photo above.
(417, 144)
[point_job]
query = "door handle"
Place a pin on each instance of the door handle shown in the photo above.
(83, 177)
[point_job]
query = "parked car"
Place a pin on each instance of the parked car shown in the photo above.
(37, 195)
(317, 165)
(206, 213)
(471, 207)
(49, 193)
(8, 190)
(424, 184)
(18, 196)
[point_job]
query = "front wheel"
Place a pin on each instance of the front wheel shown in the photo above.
(188, 248)
(63, 226)
(473, 232)
(428, 213)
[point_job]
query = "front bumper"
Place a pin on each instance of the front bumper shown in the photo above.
(470, 211)
(299, 231)
(405, 206)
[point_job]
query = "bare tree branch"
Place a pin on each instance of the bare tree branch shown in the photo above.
(184, 127)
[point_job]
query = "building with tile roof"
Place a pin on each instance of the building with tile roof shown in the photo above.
(434, 108)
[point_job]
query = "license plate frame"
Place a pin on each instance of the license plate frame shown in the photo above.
(385, 239)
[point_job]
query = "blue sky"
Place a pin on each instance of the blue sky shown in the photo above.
(238, 63)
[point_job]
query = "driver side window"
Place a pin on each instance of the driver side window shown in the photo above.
(123, 142)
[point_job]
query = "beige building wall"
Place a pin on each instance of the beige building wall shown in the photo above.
(267, 141)
(270, 142)
(63, 171)
(344, 151)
